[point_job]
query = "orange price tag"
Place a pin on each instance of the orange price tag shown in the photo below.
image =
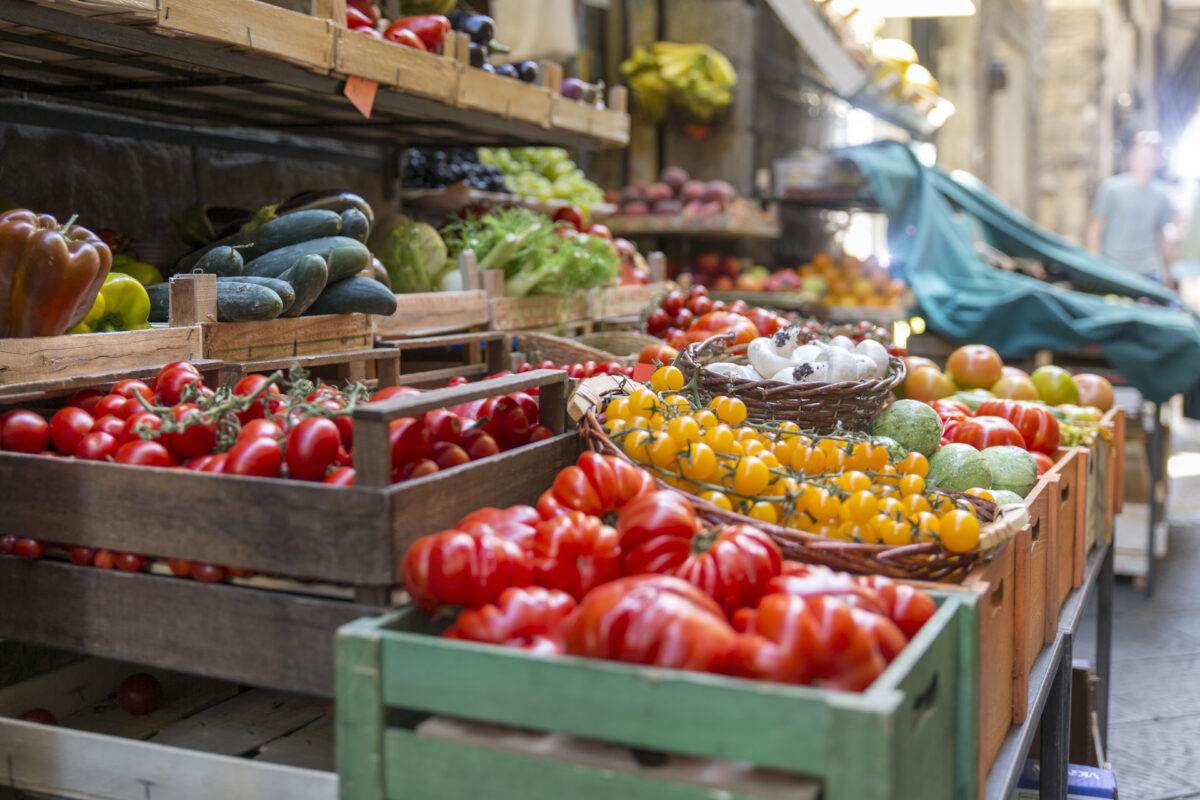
(361, 92)
(642, 372)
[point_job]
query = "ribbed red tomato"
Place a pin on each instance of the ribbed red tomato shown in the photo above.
(531, 618)
(1038, 425)
(596, 484)
(656, 620)
(575, 553)
(461, 569)
(517, 524)
(1043, 461)
(984, 432)
(909, 608)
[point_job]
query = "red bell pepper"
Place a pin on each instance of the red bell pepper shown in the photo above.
(356, 19)
(984, 432)
(1038, 425)
(431, 29)
(405, 37)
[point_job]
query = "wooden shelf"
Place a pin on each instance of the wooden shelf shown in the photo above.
(453, 199)
(832, 199)
(711, 226)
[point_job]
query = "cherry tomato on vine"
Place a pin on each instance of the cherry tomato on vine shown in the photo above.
(312, 448)
(146, 454)
(255, 428)
(342, 476)
(170, 385)
(68, 426)
(146, 419)
(41, 716)
(82, 556)
(130, 387)
(196, 439)
(24, 432)
(86, 399)
(29, 549)
(208, 573)
(130, 562)
(259, 457)
(97, 446)
(252, 385)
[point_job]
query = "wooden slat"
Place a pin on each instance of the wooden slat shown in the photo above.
(65, 691)
(47, 358)
(310, 747)
(612, 127)
(1030, 572)
(19, 392)
(244, 723)
(140, 10)
(263, 638)
(621, 301)
(434, 312)
(255, 26)
(518, 313)
(182, 695)
(284, 337)
(392, 65)
(504, 97)
(233, 372)
(119, 769)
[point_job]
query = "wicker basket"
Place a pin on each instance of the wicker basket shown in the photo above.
(560, 350)
(819, 407)
(619, 343)
(924, 561)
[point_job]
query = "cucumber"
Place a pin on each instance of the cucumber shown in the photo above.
(280, 287)
(308, 276)
(238, 301)
(299, 226)
(160, 302)
(355, 224)
(223, 260)
(355, 296)
(343, 256)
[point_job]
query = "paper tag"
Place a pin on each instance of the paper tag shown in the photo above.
(361, 92)
(642, 372)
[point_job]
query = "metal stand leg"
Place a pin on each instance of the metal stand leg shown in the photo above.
(1104, 643)
(1056, 728)
(1156, 445)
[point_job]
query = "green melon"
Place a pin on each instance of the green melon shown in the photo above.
(1004, 497)
(912, 424)
(958, 467)
(1012, 468)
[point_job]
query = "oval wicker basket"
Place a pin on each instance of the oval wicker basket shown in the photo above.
(924, 561)
(819, 407)
(560, 350)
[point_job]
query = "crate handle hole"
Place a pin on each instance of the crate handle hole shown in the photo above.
(650, 758)
(1065, 497)
(996, 598)
(925, 703)
(1035, 530)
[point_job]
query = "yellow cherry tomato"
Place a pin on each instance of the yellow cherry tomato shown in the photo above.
(717, 499)
(892, 507)
(876, 456)
(959, 531)
(663, 451)
(684, 430)
(634, 445)
(782, 451)
(916, 504)
(852, 531)
(764, 511)
(643, 402)
(751, 477)
(639, 421)
(895, 532)
(859, 507)
(658, 421)
(914, 464)
(811, 461)
(853, 482)
(785, 487)
(729, 410)
(768, 458)
(666, 379)
(927, 526)
(706, 418)
(615, 425)
(912, 484)
(719, 438)
(617, 408)
(752, 447)
(981, 493)
(699, 463)
(821, 505)
(887, 475)
(677, 402)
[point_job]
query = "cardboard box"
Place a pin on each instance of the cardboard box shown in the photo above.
(1083, 783)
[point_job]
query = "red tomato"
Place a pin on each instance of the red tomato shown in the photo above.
(170, 385)
(109, 424)
(8, 544)
(129, 387)
(507, 423)
(984, 432)
(38, 715)
(448, 454)
(576, 371)
(172, 366)
(652, 619)
(546, 364)
(146, 454)
(256, 428)
(312, 448)
(600, 230)
(404, 36)
(608, 368)
(131, 562)
(673, 301)
(596, 484)
(683, 319)
(86, 399)
(816, 581)
(139, 694)
(951, 410)
(1038, 425)
(198, 463)
(409, 438)
(238, 572)
(909, 608)
(657, 321)
(459, 569)
(23, 431)
(529, 403)
(517, 524)
(104, 559)
(661, 534)
(179, 567)
(142, 420)
(715, 322)
(572, 215)
(217, 465)
(250, 386)
(260, 457)
(766, 321)
(130, 407)
(68, 426)
(625, 248)
(415, 468)
(479, 444)
(109, 405)
(531, 618)
(342, 476)
(444, 426)
(700, 305)
(82, 556)
(575, 553)
(29, 549)
(539, 433)
(394, 391)
(196, 439)
(1043, 461)
(97, 446)
(356, 19)
(975, 366)
(209, 573)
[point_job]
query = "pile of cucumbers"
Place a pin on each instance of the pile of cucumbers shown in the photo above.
(307, 262)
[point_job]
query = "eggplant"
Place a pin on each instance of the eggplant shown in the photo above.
(480, 27)
(507, 71)
(479, 55)
(529, 71)
(330, 199)
(488, 68)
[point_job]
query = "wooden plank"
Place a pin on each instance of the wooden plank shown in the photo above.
(361, 711)
(232, 373)
(611, 127)
(505, 97)
(176, 624)
(142, 10)
(437, 378)
(255, 26)
(994, 583)
(65, 691)
(1030, 576)
(1066, 528)
(47, 358)
(192, 300)
(1082, 457)
(740, 226)
(37, 390)
(423, 342)
(244, 723)
(434, 312)
(119, 769)
(395, 66)
(284, 337)
(310, 747)
(517, 313)
(621, 301)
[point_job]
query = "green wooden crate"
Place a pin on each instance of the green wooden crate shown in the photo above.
(913, 733)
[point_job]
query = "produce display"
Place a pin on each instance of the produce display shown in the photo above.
(681, 319)
(543, 173)
(854, 282)
(438, 168)
(50, 275)
(695, 78)
(794, 356)
(676, 192)
(288, 263)
(656, 587)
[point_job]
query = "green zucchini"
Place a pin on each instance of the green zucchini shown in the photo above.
(280, 287)
(300, 226)
(343, 256)
(238, 301)
(223, 260)
(355, 224)
(354, 296)
(308, 276)
(160, 302)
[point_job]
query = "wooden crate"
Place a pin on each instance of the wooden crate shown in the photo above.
(255, 26)
(507, 98)
(480, 354)
(208, 739)
(538, 311)
(394, 66)
(37, 364)
(1031, 573)
(124, 11)
(423, 314)
(627, 301)
(1068, 508)
(610, 125)
(378, 364)
(891, 741)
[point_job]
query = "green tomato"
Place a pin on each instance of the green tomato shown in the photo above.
(1054, 385)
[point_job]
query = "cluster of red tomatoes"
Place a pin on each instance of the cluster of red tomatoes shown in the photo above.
(1001, 422)
(658, 588)
(682, 319)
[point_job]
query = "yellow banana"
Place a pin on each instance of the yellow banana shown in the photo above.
(721, 70)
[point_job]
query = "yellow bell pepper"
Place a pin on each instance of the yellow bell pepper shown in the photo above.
(145, 274)
(126, 304)
(96, 312)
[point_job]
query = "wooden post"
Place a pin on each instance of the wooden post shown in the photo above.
(493, 282)
(657, 262)
(468, 265)
(330, 9)
(459, 48)
(618, 98)
(387, 369)
(193, 300)
(552, 76)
